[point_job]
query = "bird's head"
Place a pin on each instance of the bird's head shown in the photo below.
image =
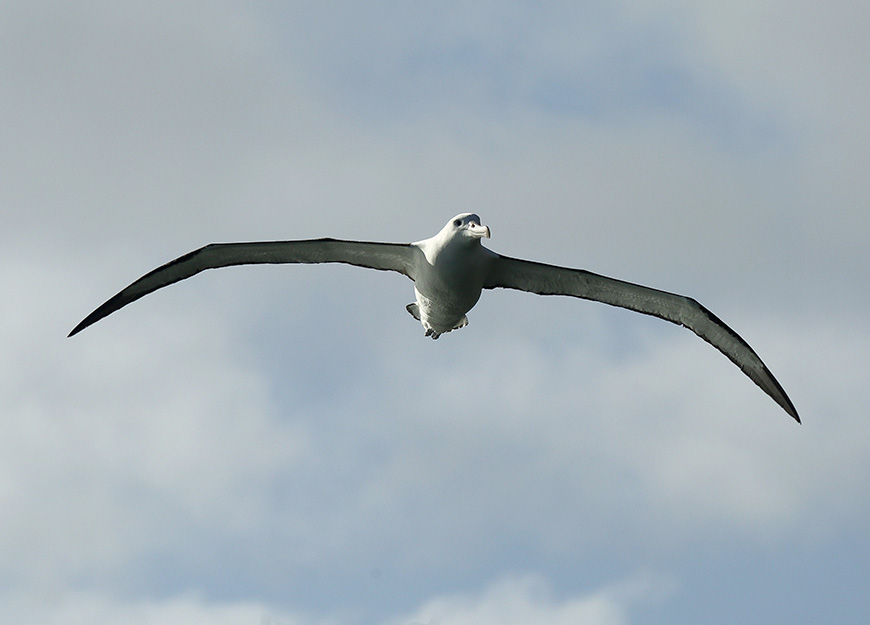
(466, 226)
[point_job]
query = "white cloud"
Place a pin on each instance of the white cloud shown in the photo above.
(529, 599)
(515, 599)
(82, 608)
(157, 435)
(114, 447)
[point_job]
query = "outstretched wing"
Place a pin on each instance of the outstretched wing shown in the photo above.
(384, 256)
(512, 273)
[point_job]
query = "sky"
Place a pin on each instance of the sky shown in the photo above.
(281, 445)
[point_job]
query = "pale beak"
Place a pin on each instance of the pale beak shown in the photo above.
(478, 230)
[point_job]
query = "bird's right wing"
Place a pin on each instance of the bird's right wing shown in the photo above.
(524, 275)
(399, 257)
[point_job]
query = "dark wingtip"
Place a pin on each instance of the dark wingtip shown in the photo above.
(77, 329)
(91, 319)
(787, 405)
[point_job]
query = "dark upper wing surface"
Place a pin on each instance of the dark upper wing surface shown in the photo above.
(383, 256)
(512, 273)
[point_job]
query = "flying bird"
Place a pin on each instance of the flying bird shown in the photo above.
(449, 272)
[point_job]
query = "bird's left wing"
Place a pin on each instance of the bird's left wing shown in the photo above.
(512, 273)
(398, 257)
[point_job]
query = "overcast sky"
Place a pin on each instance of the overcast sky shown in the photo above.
(283, 446)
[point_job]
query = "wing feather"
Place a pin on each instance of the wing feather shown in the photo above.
(512, 273)
(397, 257)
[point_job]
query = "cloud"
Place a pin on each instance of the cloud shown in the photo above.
(81, 608)
(269, 436)
(529, 599)
(516, 599)
(95, 473)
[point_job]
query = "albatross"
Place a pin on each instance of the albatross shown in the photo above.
(449, 271)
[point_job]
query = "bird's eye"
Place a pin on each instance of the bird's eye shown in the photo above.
(457, 223)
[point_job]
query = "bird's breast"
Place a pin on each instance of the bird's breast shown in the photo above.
(444, 298)
(449, 283)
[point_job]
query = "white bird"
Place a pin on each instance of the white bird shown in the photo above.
(449, 272)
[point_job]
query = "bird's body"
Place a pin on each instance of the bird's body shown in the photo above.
(450, 270)
(450, 274)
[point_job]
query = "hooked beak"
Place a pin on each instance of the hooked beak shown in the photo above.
(481, 232)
